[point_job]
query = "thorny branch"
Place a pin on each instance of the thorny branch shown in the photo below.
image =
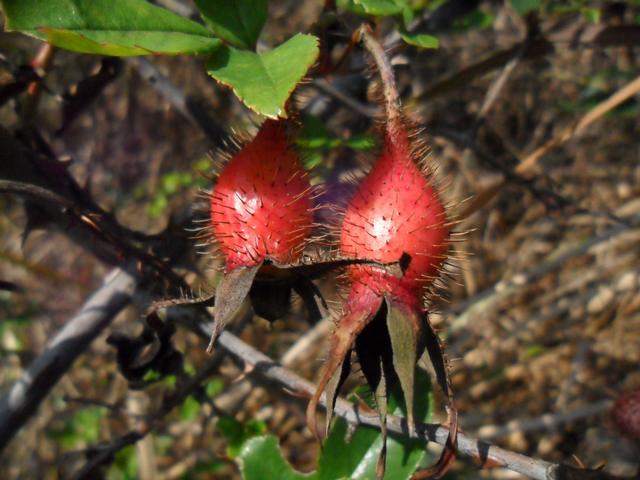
(24, 397)
(486, 454)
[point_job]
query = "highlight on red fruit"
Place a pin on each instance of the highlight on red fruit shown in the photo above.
(396, 210)
(261, 203)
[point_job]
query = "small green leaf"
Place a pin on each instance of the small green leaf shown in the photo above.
(404, 456)
(407, 16)
(420, 40)
(238, 433)
(125, 465)
(382, 8)
(592, 14)
(108, 27)
(474, 20)
(189, 409)
(82, 428)
(339, 458)
(315, 139)
(214, 387)
(261, 458)
(238, 22)
(356, 457)
(525, 6)
(264, 81)
(351, 6)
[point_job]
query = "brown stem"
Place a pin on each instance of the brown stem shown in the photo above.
(40, 63)
(389, 87)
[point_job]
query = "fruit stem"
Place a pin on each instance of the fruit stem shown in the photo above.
(389, 87)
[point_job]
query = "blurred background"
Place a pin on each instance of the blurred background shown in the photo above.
(541, 312)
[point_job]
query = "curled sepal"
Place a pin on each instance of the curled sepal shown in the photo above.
(382, 407)
(341, 343)
(374, 354)
(406, 333)
(332, 389)
(231, 292)
(441, 368)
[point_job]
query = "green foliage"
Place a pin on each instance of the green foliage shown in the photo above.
(403, 10)
(420, 40)
(525, 6)
(342, 458)
(108, 27)
(189, 409)
(171, 184)
(314, 140)
(261, 458)
(238, 22)
(264, 81)
(125, 465)
(83, 428)
(474, 20)
(136, 27)
(238, 433)
(15, 327)
(381, 8)
(597, 88)
(404, 455)
(214, 387)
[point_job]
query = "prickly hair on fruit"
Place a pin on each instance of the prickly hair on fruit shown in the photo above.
(396, 211)
(260, 212)
(261, 203)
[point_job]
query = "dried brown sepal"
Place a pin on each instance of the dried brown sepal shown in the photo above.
(381, 394)
(333, 387)
(230, 294)
(441, 368)
(347, 330)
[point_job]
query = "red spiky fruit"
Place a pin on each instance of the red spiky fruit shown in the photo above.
(261, 204)
(626, 414)
(396, 210)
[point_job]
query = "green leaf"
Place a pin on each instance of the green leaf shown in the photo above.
(314, 138)
(420, 40)
(108, 27)
(525, 6)
(356, 457)
(474, 20)
(189, 409)
(404, 455)
(339, 458)
(381, 8)
(264, 81)
(351, 6)
(238, 22)
(238, 433)
(125, 465)
(261, 458)
(82, 428)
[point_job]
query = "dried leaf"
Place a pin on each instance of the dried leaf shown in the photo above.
(342, 340)
(440, 365)
(231, 292)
